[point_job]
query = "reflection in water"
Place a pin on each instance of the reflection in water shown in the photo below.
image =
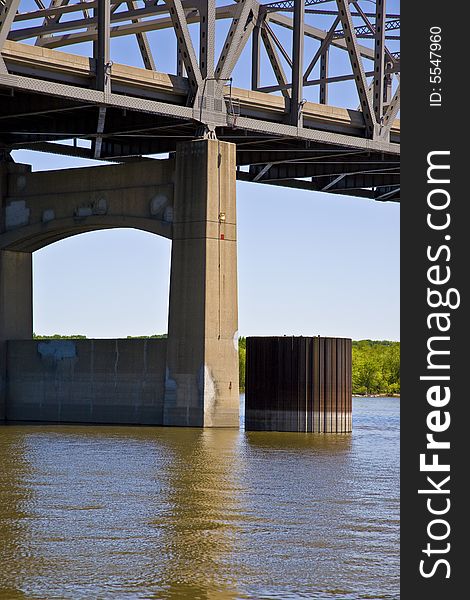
(201, 525)
(14, 498)
(312, 443)
(127, 512)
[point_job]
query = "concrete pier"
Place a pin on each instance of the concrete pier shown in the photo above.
(202, 356)
(86, 381)
(190, 200)
(298, 384)
(16, 298)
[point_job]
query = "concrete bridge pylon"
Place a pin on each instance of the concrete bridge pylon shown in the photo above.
(201, 386)
(190, 199)
(16, 298)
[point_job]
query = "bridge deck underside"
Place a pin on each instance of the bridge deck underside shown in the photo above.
(48, 96)
(33, 121)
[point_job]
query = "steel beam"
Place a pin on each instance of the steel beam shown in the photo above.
(365, 180)
(61, 149)
(260, 126)
(142, 41)
(275, 61)
(357, 67)
(89, 23)
(379, 59)
(96, 146)
(301, 184)
(207, 38)
(38, 113)
(333, 182)
(323, 48)
(330, 171)
(242, 25)
(323, 95)
(367, 30)
(61, 9)
(8, 10)
(180, 70)
(290, 4)
(95, 97)
(53, 17)
(388, 79)
(339, 150)
(319, 34)
(320, 81)
(102, 56)
(295, 113)
(332, 13)
(278, 44)
(317, 153)
(255, 57)
(390, 115)
(185, 44)
(317, 135)
(262, 172)
(385, 193)
(386, 26)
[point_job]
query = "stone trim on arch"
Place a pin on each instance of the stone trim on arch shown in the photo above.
(44, 207)
(196, 368)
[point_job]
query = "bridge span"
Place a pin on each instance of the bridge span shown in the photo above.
(209, 130)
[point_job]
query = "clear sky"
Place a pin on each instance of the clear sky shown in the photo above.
(308, 263)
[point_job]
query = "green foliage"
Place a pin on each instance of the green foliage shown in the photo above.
(58, 336)
(242, 362)
(375, 367)
(159, 336)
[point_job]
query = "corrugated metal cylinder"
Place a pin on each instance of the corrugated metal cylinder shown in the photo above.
(298, 384)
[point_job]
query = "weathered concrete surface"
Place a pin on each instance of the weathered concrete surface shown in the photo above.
(192, 202)
(16, 312)
(86, 381)
(44, 207)
(202, 356)
(16, 315)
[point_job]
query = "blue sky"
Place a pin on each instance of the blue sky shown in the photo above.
(308, 263)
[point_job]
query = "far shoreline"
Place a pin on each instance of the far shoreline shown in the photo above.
(376, 395)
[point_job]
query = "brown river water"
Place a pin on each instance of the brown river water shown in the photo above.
(98, 512)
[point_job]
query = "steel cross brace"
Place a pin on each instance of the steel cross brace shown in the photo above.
(185, 45)
(237, 37)
(8, 10)
(357, 67)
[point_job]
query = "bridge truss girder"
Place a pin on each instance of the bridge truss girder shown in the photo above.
(41, 106)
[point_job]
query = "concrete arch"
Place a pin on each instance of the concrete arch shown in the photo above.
(34, 237)
(191, 378)
(45, 207)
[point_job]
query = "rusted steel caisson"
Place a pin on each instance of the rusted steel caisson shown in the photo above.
(298, 384)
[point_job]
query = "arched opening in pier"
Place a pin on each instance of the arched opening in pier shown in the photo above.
(112, 283)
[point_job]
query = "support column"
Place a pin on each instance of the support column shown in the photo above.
(16, 306)
(296, 117)
(16, 313)
(201, 388)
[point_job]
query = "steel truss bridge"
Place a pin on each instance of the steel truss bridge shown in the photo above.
(54, 100)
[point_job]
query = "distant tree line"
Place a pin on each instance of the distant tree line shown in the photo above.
(58, 336)
(375, 367)
(242, 362)
(375, 364)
